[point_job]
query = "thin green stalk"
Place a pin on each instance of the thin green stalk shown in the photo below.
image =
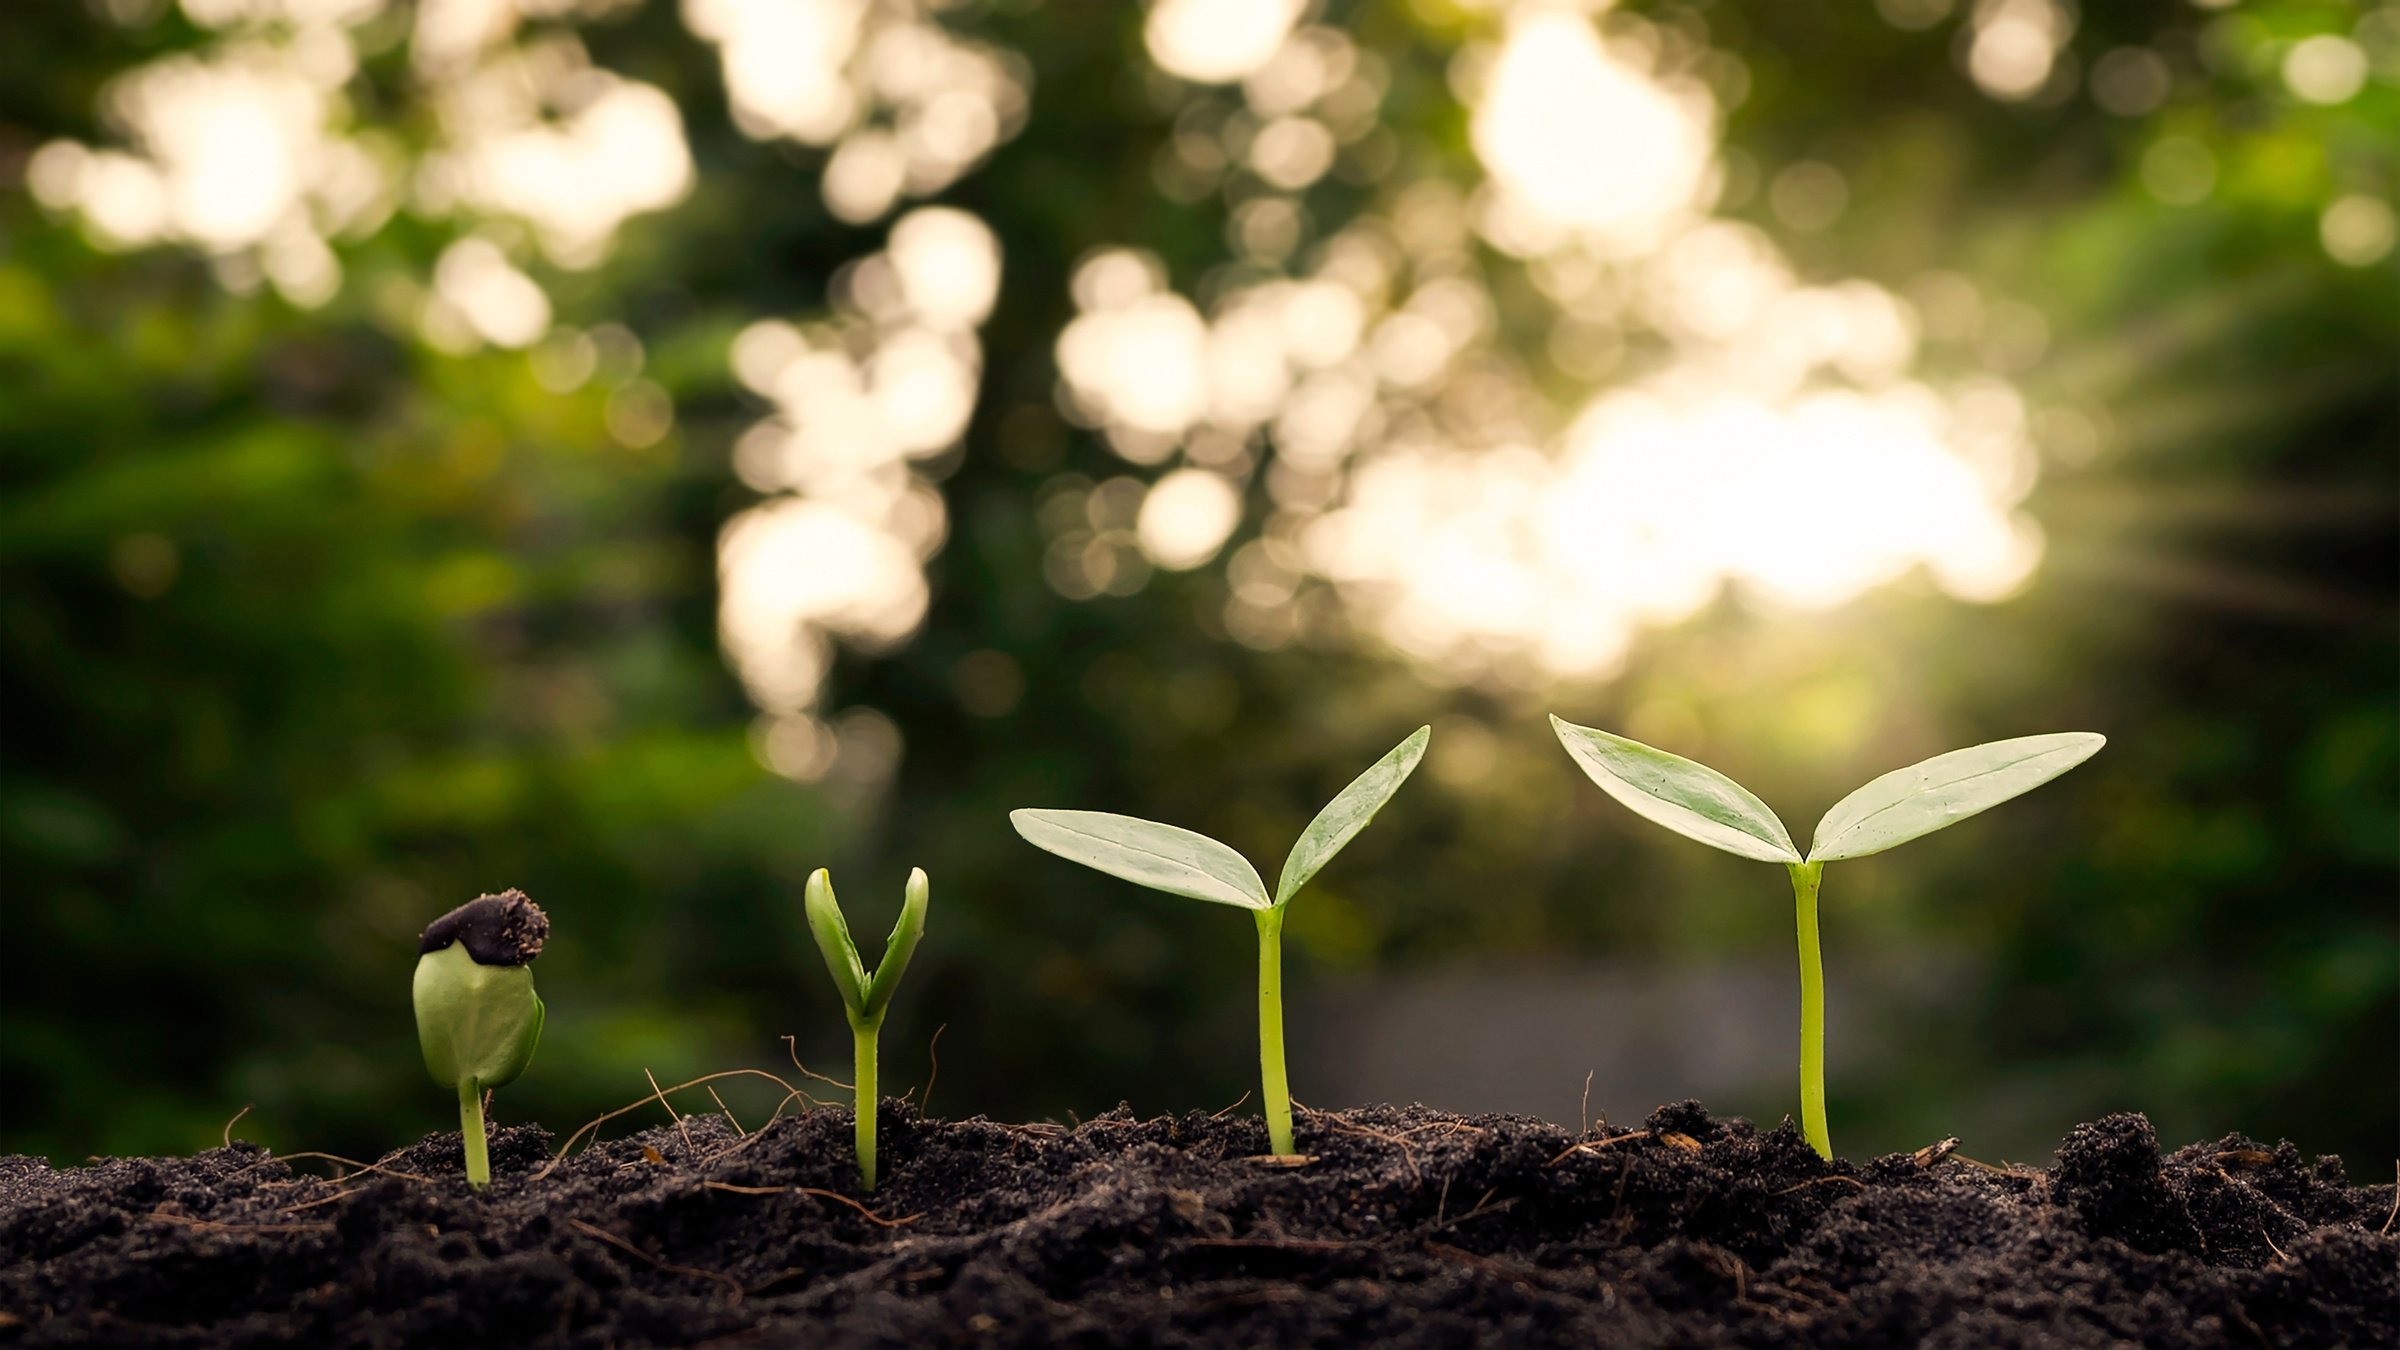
(470, 1130)
(1277, 1091)
(862, 1041)
(1805, 877)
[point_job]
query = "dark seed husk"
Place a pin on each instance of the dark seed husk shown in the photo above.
(507, 929)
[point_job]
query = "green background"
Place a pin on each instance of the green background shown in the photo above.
(309, 632)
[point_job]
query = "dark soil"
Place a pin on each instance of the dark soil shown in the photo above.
(1408, 1227)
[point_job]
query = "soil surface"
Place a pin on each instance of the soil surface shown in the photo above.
(1405, 1227)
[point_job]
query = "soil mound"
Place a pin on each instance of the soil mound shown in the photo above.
(1404, 1227)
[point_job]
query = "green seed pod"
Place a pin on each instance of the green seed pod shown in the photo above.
(478, 1019)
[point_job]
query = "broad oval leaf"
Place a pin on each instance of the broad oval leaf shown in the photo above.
(474, 1022)
(1348, 813)
(1146, 853)
(1946, 789)
(1691, 799)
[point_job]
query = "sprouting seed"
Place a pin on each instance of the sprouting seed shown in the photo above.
(1699, 803)
(1181, 862)
(478, 1018)
(865, 997)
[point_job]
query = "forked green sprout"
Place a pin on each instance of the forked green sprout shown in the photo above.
(478, 1019)
(1699, 803)
(1181, 862)
(865, 997)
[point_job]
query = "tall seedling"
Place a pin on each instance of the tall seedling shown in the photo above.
(1196, 867)
(1699, 803)
(865, 997)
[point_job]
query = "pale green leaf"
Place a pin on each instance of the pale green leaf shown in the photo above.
(1146, 853)
(1691, 799)
(902, 944)
(1348, 813)
(475, 1023)
(1922, 798)
(832, 932)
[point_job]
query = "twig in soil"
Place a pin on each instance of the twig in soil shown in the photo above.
(2242, 1316)
(1584, 1116)
(1507, 1270)
(1829, 1298)
(1479, 1211)
(870, 1215)
(675, 1115)
(1277, 1244)
(375, 1167)
(2395, 1214)
(1595, 1145)
(321, 1200)
(933, 1053)
(1934, 1152)
(754, 1136)
(639, 1103)
(1740, 1272)
(237, 1119)
(1408, 1152)
(622, 1245)
(1820, 1181)
(791, 1046)
(738, 1131)
(1223, 1112)
(1996, 1169)
(672, 1113)
(189, 1221)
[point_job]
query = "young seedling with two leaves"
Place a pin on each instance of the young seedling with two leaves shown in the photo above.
(865, 997)
(1699, 803)
(1180, 862)
(478, 1018)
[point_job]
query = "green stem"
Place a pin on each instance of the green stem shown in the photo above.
(862, 1039)
(1805, 877)
(470, 1132)
(1277, 1091)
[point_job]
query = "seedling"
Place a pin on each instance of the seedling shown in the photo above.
(865, 997)
(1699, 803)
(1197, 867)
(478, 1018)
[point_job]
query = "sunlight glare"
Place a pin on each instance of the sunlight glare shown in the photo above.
(1186, 517)
(1575, 139)
(1217, 41)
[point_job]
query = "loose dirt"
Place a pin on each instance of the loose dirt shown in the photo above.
(1405, 1227)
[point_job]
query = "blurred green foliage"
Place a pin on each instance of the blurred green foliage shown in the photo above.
(309, 632)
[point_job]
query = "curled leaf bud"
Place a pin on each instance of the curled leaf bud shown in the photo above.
(506, 929)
